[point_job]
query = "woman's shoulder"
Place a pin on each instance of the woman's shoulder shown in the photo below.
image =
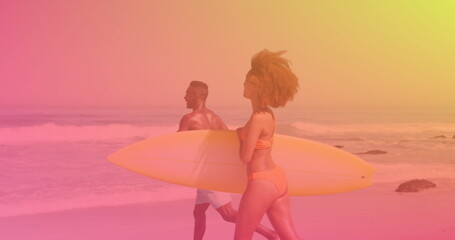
(263, 117)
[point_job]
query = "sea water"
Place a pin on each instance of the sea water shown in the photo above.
(55, 159)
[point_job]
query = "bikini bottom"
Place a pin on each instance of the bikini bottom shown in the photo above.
(275, 175)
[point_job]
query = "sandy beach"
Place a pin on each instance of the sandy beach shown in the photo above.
(53, 190)
(372, 213)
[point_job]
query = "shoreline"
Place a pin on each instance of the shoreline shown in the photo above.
(372, 213)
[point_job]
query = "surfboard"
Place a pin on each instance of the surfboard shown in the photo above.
(209, 159)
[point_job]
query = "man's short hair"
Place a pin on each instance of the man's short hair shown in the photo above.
(202, 88)
(199, 84)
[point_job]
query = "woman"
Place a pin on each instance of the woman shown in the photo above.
(269, 83)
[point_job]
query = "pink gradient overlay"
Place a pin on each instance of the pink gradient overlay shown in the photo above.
(81, 79)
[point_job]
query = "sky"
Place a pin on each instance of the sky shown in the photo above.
(107, 53)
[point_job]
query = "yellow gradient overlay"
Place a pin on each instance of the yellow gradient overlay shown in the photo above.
(348, 54)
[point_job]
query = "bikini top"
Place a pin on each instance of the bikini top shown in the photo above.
(260, 144)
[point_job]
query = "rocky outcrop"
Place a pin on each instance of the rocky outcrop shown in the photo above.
(440, 136)
(338, 146)
(415, 185)
(373, 152)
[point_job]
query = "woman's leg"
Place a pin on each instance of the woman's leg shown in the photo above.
(258, 197)
(230, 215)
(280, 216)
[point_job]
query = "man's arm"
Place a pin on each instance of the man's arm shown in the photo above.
(185, 123)
(221, 124)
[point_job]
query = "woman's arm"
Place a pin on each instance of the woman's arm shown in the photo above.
(253, 131)
(239, 137)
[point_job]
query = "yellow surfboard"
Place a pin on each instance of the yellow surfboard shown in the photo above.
(209, 159)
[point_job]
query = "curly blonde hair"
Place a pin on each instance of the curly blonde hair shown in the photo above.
(276, 83)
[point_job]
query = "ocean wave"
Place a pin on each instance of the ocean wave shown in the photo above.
(399, 172)
(107, 197)
(51, 132)
(380, 128)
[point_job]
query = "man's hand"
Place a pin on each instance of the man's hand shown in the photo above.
(239, 134)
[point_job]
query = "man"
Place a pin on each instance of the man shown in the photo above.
(203, 118)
